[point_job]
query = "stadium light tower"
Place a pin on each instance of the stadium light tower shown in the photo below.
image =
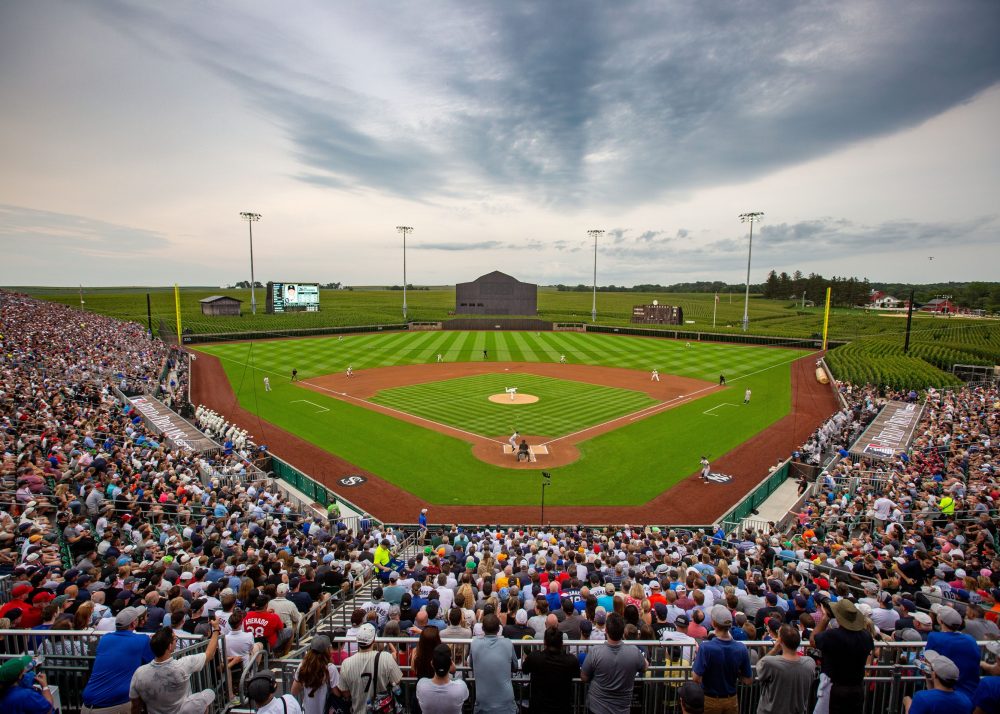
(251, 218)
(596, 233)
(404, 230)
(751, 218)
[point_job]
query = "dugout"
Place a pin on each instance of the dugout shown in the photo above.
(220, 305)
(496, 293)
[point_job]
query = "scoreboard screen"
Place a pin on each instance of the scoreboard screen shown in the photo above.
(292, 297)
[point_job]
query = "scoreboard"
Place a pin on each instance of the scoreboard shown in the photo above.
(292, 297)
(657, 314)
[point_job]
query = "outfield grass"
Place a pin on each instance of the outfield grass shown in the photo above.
(625, 467)
(563, 407)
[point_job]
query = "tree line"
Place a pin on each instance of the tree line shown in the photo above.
(844, 292)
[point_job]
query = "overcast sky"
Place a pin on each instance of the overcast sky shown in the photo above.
(133, 134)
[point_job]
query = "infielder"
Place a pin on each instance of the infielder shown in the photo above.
(562, 359)
(655, 376)
(706, 467)
(267, 384)
(350, 370)
(440, 357)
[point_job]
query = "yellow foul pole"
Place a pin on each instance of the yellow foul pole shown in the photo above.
(177, 309)
(826, 318)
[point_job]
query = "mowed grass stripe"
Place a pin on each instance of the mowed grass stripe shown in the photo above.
(564, 406)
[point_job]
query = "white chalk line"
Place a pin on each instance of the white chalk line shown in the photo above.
(724, 404)
(321, 408)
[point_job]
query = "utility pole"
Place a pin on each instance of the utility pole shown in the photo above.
(251, 218)
(404, 230)
(751, 218)
(909, 320)
(597, 232)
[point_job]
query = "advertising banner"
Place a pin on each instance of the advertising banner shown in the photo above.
(890, 433)
(179, 432)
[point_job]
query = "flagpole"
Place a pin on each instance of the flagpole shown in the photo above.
(715, 307)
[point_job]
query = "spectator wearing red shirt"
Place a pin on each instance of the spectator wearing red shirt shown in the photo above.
(30, 615)
(265, 625)
(656, 593)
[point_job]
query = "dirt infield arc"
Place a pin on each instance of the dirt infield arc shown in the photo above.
(690, 501)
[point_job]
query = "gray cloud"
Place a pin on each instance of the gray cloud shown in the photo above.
(605, 104)
(42, 232)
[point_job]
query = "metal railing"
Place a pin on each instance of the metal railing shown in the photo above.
(890, 673)
(753, 500)
(69, 658)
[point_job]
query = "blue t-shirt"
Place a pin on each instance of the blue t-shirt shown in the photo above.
(964, 652)
(119, 655)
(934, 701)
(987, 696)
(719, 664)
(24, 700)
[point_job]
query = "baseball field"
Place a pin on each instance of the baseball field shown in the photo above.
(416, 418)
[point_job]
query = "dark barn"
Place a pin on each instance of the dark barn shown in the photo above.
(496, 293)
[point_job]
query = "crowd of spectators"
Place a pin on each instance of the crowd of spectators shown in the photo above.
(102, 522)
(106, 529)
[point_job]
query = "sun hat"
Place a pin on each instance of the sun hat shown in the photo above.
(848, 616)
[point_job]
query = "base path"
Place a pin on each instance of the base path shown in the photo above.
(689, 502)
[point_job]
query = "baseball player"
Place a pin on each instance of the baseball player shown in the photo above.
(440, 357)
(350, 370)
(722, 380)
(746, 396)
(706, 468)
(267, 384)
(513, 440)
(655, 376)
(562, 359)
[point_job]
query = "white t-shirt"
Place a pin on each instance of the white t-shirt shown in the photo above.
(317, 704)
(239, 644)
(279, 705)
(442, 698)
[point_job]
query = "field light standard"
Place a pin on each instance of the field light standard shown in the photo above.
(596, 233)
(546, 481)
(750, 218)
(404, 230)
(251, 218)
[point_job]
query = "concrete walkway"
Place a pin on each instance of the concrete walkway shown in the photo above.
(778, 503)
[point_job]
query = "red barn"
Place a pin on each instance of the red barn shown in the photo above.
(940, 306)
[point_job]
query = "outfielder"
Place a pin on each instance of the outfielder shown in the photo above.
(267, 384)
(746, 396)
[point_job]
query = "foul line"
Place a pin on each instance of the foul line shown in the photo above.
(379, 407)
(649, 411)
(724, 404)
(321, 409)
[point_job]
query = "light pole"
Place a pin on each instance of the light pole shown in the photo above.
(750, 218)
(546, 481)
(251, 218)
(596, 233)
(404, 230)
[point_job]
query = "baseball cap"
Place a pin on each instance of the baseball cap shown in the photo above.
(943, 667)
(521, 617)
(722, 616)
(661, 610)
(693, 697)
(366, 635)
(320, 643)
(923, 618)
(949, 616)
(681, 621)
(129, 615)
(12, 669)
(21, 589)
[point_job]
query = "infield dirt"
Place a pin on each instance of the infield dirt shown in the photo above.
(689, 502)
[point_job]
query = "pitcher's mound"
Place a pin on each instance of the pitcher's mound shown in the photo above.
(518, 398)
